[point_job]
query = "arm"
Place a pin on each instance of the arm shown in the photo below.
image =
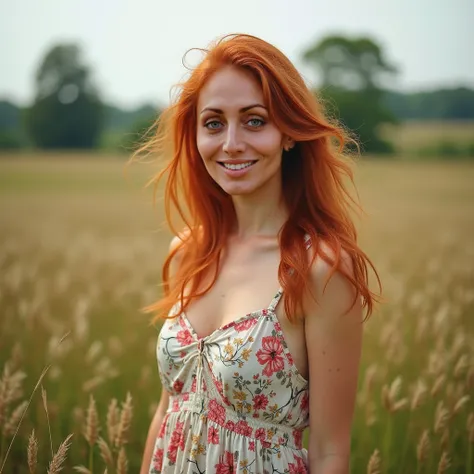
(334, 341)
(164, 400)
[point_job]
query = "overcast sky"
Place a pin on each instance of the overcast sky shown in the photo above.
(135, 47)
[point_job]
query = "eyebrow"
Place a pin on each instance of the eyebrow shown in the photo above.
(242, 110)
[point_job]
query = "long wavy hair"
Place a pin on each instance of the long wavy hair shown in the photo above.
(314, 172)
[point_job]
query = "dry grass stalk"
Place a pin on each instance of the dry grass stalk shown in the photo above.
(45, 405)
(374, 466)
(437, 385)
(113, 418)
(470, 427)
(91, 429)
(461, 365)
(390, 394)
(32, 452)
(43, 373)
(470, 380)
(444, 439)
(444, 463)
(10, 389)
(423, 447)
(125, 421)
(122, 462)
(105, 451)
(370, 416)
(14, 419)
(56, 463)
(441, 418)
(460, 404)
(419, 394)
(82, 470)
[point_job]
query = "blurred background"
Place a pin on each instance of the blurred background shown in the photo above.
(82, 244)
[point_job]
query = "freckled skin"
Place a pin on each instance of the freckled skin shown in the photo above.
(236, 134)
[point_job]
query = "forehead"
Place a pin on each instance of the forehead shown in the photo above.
(230, 87)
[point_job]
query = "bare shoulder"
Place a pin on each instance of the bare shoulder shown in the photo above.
(333, 291)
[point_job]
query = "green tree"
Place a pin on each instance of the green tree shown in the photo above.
(67, 111)
(353, 73)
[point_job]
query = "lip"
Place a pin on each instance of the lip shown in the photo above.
(236, 173)
(234, 162)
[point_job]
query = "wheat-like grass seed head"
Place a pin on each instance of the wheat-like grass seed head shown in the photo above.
(374, 465)
(82, 470)
(460, 404)
(122, 462)
(423, 447)
(437, 385)
(32, 452)
(419, 394)
(56, 464)
(125, 422)
(112, 421)
(91, 429)
(14, 419)
(441, 418)
(105, 451)
(444, 463)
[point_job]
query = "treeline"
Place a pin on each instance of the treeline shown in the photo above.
(443, 104)
(68, 111)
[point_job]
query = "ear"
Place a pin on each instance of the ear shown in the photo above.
(288, 143)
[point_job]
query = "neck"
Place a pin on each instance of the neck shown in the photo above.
(262, 213)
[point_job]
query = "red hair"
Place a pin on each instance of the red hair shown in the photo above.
(313, 175)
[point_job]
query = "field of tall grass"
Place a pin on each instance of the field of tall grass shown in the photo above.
(81, 252)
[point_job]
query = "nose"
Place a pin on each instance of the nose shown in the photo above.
(233, 142)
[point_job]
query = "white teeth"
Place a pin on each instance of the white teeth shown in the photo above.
(238, 167)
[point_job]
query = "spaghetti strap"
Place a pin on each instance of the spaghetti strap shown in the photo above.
(276, 299)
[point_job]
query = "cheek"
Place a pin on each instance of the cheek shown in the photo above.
(206, 145)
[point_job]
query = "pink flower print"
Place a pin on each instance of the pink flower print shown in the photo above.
(245, 324)
(218, 384)
(260, 434)
(243, 428)
(297, 434)
(184, 337)
(299, 467)
(226, 464)
(305, 402)
(216, 412)
(230, 425)
(178, 386)
(260, 402)
(175, 405)
(158, 460)
(193, 385)
(270, 354)
(212, 435)
(162, 431)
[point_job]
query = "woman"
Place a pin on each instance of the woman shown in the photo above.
(257, 178)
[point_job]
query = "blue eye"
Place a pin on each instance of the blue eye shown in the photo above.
(259, 123)
(212, 122)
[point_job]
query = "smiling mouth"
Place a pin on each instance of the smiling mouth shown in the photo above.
(236, 167)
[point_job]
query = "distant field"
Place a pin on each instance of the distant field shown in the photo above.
(81, 251)
(412, 135)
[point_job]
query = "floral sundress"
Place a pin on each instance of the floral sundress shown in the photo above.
(237, 402)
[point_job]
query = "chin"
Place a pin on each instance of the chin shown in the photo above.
(238, 190)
